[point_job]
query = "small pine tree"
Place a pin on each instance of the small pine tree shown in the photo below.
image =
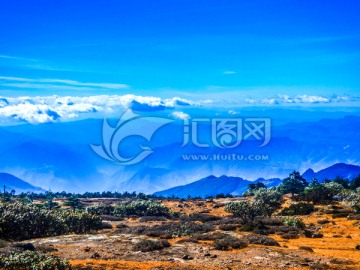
(294, 184)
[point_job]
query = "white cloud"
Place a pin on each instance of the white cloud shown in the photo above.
(43, 109)
(180, 115)
(304, 99)
(55, 108)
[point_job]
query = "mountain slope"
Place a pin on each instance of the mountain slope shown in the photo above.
(212, 185)
(343, 170)
(13, 183)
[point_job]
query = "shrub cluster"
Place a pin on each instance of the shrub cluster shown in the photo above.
(169, 230)
(294, 222)
(100, 209)
(229, 242)
(141, 208)
(151, 245)
(260, 240)
(265, 202)
(298, 209)
(31, 260)
(20, 221)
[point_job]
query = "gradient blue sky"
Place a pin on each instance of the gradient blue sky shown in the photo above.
(180, 47)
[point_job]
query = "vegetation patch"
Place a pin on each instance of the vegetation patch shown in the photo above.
(229, 242)
(151, 245)
(298, 209)
(33, 260)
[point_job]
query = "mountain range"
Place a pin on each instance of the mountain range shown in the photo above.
(58, 156)
(212, 185)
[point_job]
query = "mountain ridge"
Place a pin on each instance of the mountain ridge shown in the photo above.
(212, 185)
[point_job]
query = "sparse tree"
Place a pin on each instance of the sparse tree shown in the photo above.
(294, 184)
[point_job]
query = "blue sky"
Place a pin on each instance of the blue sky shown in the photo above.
(179, 48)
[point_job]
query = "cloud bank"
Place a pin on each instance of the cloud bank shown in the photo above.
(44, 109)
(54, 108)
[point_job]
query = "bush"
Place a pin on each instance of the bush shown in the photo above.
(100, 209)
(229, 242)
(150, 245)
(141, 208)
(178, 229)
(269, 199)
(170, 229)
(353, 200)
(333, 188)
(20, 221)
(295, 222)
(245, 210)
(316, 194)
(298, 209)
(260, 240)
(33, 260)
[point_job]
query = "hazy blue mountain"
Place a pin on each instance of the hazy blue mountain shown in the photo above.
(58, 155)
(343, 170)
(13, 183)
(212, 185)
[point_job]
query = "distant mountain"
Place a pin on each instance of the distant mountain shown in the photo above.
(212, 185)
(13, 183)
(58, 155)
(343, 170)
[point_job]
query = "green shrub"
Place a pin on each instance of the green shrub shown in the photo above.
(141, 208)
(316, 194)
(150, 245)
(171, 229)
(268, 199)
(294, 222)
(245, 210)
(353, 200)
(298, 209)
(100, 209)
(20, 221)
(178, 229)
(33, 260)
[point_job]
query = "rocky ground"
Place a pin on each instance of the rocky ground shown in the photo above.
(112, 248)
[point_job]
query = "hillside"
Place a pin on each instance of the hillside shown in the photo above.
(13, 183)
